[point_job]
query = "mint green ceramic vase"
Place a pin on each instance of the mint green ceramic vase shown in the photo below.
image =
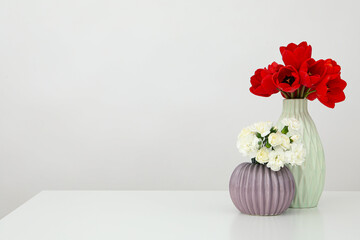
(310, 176)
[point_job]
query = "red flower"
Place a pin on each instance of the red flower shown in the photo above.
(274, 67)
(287, 79)
(302, 76)
(312, 96)
(295, 55)
(311, 72)
(331, 90)
(330, 75)
(262, 83)
(331, 66)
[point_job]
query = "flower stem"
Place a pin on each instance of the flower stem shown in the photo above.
(285, 94)
(302, 92)
(308, 93)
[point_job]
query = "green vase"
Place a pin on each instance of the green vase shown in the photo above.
(310, 176)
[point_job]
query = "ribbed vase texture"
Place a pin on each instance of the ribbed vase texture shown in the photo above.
(257, 190)
(310, 176)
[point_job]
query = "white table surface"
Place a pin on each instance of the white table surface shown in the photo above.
(77, 215)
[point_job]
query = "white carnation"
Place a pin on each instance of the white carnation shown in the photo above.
(262, 127)
(276, 159)
(285, 142)
(248, 144)
(262, 155)
(275, 139)
(296, 155)
(295, 138)
(284, 149)
(292, 123)
(245, 132)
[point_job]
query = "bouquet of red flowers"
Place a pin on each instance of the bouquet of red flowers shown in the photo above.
(300, 77)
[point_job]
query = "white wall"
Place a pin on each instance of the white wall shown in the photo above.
(152, 94)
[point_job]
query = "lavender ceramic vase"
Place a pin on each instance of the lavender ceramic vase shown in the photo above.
(257, 190)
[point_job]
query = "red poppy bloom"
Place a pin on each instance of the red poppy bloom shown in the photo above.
(295, 55)
(287, 79)
(262, 83)
(331, 90)
(311, 72)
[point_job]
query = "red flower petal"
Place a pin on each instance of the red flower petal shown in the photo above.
(337, 83)
(312, 96)
(295, 55)
(287, 79)
(261, 83)
(326, 102)
(311, 72)
(332, 67)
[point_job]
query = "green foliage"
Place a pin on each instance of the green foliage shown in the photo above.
(285, 130)
(273, 130)
(258, 135)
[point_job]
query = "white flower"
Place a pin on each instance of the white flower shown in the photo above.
(276, 159)
(262, 127)
(292, 123)
(262, 155)
(275, 139)
(248, 144)
(285, 142)
(245, 132)
(285, 148)
(295, 138)
(296, 155)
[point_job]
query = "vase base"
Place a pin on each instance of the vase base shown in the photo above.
(261, 215)
(306, 206)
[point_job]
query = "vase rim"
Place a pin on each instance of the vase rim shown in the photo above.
(295, 99)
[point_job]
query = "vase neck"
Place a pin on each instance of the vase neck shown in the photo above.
(295, 106)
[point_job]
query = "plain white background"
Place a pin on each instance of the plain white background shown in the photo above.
(150, 95)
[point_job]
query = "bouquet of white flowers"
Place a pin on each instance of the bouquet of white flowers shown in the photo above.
(265, 144)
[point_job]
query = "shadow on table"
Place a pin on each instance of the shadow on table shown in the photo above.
(294, 224)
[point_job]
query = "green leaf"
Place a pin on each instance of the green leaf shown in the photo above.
(285, 130)
(258, 135)
(268, 145)
(273, 130)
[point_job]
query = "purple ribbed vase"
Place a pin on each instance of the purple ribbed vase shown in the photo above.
(257, 190)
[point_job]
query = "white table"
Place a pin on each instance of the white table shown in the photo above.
(102, 215)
